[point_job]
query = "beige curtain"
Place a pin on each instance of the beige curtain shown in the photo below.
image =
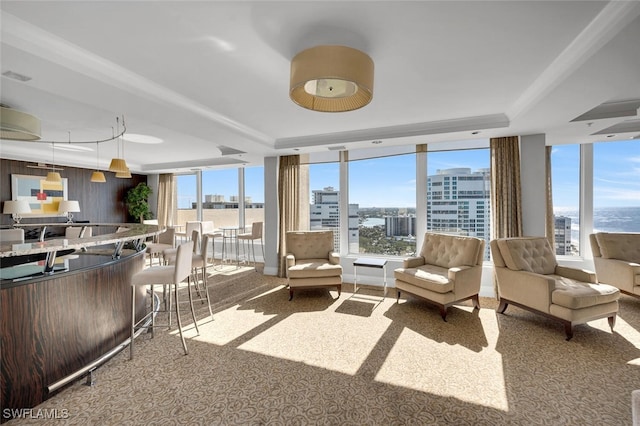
(288, 203)
(550, 220)
(506, 198)
(167, 199)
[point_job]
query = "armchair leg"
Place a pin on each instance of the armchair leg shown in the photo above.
(502, 307)
(612, 321)
(476, 302)
(398, 299)
(568, 329)
(443, 313)
(290, 294)
(339, 289)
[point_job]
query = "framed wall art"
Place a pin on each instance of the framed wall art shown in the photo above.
(43, 196)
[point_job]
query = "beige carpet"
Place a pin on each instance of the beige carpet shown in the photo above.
(356, 360)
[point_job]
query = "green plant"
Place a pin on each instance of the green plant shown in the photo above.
(136, 200)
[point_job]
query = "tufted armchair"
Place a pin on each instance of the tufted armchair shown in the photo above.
(311, 261)
(616, 257)
(448, 271)
(529, 277)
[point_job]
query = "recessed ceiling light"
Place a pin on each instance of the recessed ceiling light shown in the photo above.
(475, 132)
(377, 142)
(136, 138)
(610, 136)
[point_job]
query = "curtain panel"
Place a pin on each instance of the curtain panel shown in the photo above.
(167, 200)
(288, 204)
(506, 194)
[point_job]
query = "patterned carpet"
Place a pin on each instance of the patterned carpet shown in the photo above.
(360, 360)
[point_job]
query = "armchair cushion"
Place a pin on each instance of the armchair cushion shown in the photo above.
(623, 246)
(528, 254)
(314, 268)
(574, 294)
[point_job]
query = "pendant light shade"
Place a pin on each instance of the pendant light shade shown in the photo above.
(331, 79)
(18, 126)
(98, 177)
(53, 177)
(118, 165)
(124, 175)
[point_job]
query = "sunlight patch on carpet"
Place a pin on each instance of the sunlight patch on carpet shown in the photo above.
(448, 367)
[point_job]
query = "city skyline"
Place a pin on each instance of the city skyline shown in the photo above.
(390, 181)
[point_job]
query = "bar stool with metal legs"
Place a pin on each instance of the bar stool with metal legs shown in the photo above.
(250, 237)
(199, 262)
(171, 275)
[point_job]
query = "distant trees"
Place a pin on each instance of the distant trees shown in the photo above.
(374, 240)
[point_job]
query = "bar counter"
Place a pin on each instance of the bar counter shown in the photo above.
(66, 310)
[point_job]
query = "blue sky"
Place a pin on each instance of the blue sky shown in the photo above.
(390, 181)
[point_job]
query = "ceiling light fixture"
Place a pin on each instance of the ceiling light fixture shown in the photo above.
(53, 176)
(17, 125)
(118, 164)
(331, 78)
(97, 175)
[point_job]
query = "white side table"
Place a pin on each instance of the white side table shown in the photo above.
(370, 262)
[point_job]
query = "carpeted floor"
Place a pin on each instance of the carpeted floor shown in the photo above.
(360, 360)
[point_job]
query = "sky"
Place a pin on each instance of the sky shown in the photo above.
(390, 181)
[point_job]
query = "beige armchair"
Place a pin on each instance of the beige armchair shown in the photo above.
(311, 261)
(616, 257)
(447, 271)
(529, 277)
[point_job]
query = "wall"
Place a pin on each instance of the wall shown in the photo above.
(99, 202)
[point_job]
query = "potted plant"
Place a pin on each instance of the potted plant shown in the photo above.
(137, 203)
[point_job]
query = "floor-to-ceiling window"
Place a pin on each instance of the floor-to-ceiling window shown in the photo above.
(187, 198)
(220, 197)
(254, 195)
(458, 193)
(324, 198)
(382, 196)
(616, 186)
(565, 172)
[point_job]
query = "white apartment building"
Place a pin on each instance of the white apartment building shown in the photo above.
(458, 202)
(324, 213)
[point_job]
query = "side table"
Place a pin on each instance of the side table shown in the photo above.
(369, 262)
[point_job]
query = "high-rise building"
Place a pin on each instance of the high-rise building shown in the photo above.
(324, 213)
(400, 226)
(562, 226)
(458, 202)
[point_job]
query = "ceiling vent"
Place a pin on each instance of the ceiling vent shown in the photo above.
(337, 148)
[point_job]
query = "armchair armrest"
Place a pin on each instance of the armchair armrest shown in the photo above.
(290, 260)
(466, 279)
(528, 288)
(334, 258)
(413, 262)
(583, 275)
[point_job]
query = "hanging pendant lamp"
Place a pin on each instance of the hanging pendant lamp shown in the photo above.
(97, 175)
(118, 164)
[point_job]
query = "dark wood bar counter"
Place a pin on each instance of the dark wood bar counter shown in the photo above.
(60, 324)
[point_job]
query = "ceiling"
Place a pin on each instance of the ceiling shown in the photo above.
(211, 79)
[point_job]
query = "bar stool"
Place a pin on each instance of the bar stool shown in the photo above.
(255, 234)
(165, 240)
(199, 262)
(171, 275)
